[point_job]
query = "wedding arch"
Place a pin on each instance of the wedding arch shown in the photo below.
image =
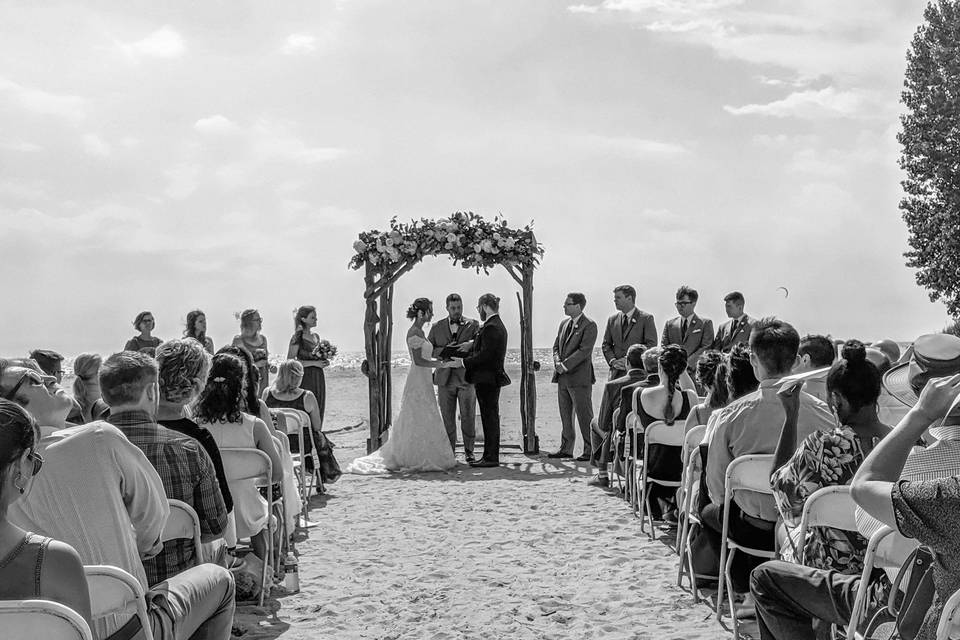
(474, 243)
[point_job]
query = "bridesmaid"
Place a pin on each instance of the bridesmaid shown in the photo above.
(197, 329)
(303, 347)
(255, 342)
(145, 342)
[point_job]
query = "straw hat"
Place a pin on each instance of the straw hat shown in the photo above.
(934, 356)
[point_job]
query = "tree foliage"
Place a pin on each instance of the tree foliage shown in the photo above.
(930, 138)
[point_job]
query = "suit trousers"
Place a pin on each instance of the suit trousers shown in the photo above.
(792, 598)
(600, 442)
(743, 530)
(449, 397)
(575, 401)
(488, 397)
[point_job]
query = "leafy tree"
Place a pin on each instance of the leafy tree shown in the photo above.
(931, 152)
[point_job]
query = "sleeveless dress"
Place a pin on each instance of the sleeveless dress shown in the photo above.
(314, 380)
(26, 559)
(417, 440)
(665, 460)
(259, 351)
(249, 516)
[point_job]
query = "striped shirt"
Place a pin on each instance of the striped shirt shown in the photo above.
(188, 475)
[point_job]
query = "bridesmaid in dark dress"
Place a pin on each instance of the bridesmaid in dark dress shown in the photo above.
(145, 342)
(255, 342)
(303, 347)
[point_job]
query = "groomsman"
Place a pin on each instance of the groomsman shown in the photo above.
(688, 330)
(452, 387)
(573, 373)
(627, 327)
(736, 330)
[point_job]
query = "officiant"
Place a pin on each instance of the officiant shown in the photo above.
(452, 389)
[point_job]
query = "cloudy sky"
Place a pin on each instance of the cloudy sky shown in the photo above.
(224, 155)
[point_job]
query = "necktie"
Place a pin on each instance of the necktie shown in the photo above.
(683, 329)
(624, 326)
(566, 333)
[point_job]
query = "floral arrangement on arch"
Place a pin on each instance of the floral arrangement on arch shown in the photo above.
(471, 240)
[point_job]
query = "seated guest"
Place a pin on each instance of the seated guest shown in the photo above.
(182, 367)
(50, 362)
(145, 342)
(197, 329)
(32, 567)
(601, 430)
(793, 601)
(220, 410)
(100, 494)
(252, 403)
(667, 402)
(750, 426)
(86, 389)
(286, 393)
(827, 458)
(650, 366)
(129, 383)
(714, 385)
(815, 352)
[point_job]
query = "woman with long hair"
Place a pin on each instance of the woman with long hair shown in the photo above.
(145, 341)
(220, 410)
(250, 338)
(252, 404)
(86, 387)
(668, 403)
(32, 566)
(197, 329)
(304, 348)
(716, 387)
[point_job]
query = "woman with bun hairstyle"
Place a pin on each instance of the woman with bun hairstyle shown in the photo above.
(827, 458)
(145, 342)
(417, 440)
(86, 387)
(304, 347)
(668, 402)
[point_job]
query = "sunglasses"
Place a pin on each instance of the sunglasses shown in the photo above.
(683, 303)
(35, 380)
(37, 460)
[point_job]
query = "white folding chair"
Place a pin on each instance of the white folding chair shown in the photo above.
(661, 433)
(280, 550)
(949, 626)
(184, 523)
(240, 464)
(613, 449)
(887, 549)
(114, 592)
(634, 459)
(691, 443)
(296, 422)
(826, 507)
(746, 473)
(41, 619)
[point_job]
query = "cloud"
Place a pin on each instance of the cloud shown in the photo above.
(810, 104)
(25, 147)
(628, 146)
(583, 8)
(67, 107)
(299, 44)
(165, 43)
(216, 125)
(95, 145)
(183, 179)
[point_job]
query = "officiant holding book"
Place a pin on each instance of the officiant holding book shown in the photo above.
(452, 388)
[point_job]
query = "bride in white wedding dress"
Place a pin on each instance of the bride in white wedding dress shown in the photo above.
(417, 440)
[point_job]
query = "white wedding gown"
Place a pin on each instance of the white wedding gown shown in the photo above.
(417, 440)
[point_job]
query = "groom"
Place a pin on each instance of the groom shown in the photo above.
(484, 369)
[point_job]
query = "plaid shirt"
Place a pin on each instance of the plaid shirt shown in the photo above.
(187, 474)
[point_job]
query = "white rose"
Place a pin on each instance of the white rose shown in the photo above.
(487, 245)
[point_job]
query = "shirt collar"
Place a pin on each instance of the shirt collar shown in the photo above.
(577, 320)
(130, 418)
(630, 313)
(47, 431)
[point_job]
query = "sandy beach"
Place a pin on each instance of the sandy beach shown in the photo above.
(527, 550)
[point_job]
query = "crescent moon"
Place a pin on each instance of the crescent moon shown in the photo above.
(786, 292)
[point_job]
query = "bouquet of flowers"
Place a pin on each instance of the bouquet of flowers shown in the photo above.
(325, 350)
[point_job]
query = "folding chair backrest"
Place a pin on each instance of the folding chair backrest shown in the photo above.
(246, 464)
(114, 592)
(660, 432)
(41, 619)
(750, 473)
(279, 420)
(296, 420)
(827, 507)
(949, 625)
(183, 523)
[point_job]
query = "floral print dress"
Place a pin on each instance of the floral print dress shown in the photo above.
(823, 459)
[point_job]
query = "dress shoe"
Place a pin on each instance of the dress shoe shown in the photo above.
(485, 463)
(584, 458)
(600, 482)
(468, 456)
(559, 454)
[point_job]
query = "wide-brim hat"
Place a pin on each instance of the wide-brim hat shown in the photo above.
(932, 356)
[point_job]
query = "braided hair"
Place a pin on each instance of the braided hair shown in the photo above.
(673, 362)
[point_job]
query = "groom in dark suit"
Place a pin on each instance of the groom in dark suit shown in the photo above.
(484, 369)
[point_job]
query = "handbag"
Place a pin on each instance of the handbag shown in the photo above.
(327, 464)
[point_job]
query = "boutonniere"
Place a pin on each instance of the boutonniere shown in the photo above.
(633, 319)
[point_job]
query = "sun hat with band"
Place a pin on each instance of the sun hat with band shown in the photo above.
(935, 355)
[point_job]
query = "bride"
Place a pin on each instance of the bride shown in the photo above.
(417, 440)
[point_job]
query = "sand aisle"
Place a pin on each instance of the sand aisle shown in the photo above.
(524, 551)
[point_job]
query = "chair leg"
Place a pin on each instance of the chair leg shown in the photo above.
(730, 594)
(693, 574)
(722, 579)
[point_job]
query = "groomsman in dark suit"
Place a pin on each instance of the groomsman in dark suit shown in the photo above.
(573, 373)
(736, 330)
(627, 327)
(452, 387)
(688, 330)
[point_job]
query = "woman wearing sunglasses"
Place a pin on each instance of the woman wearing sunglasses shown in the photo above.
(32, 567)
